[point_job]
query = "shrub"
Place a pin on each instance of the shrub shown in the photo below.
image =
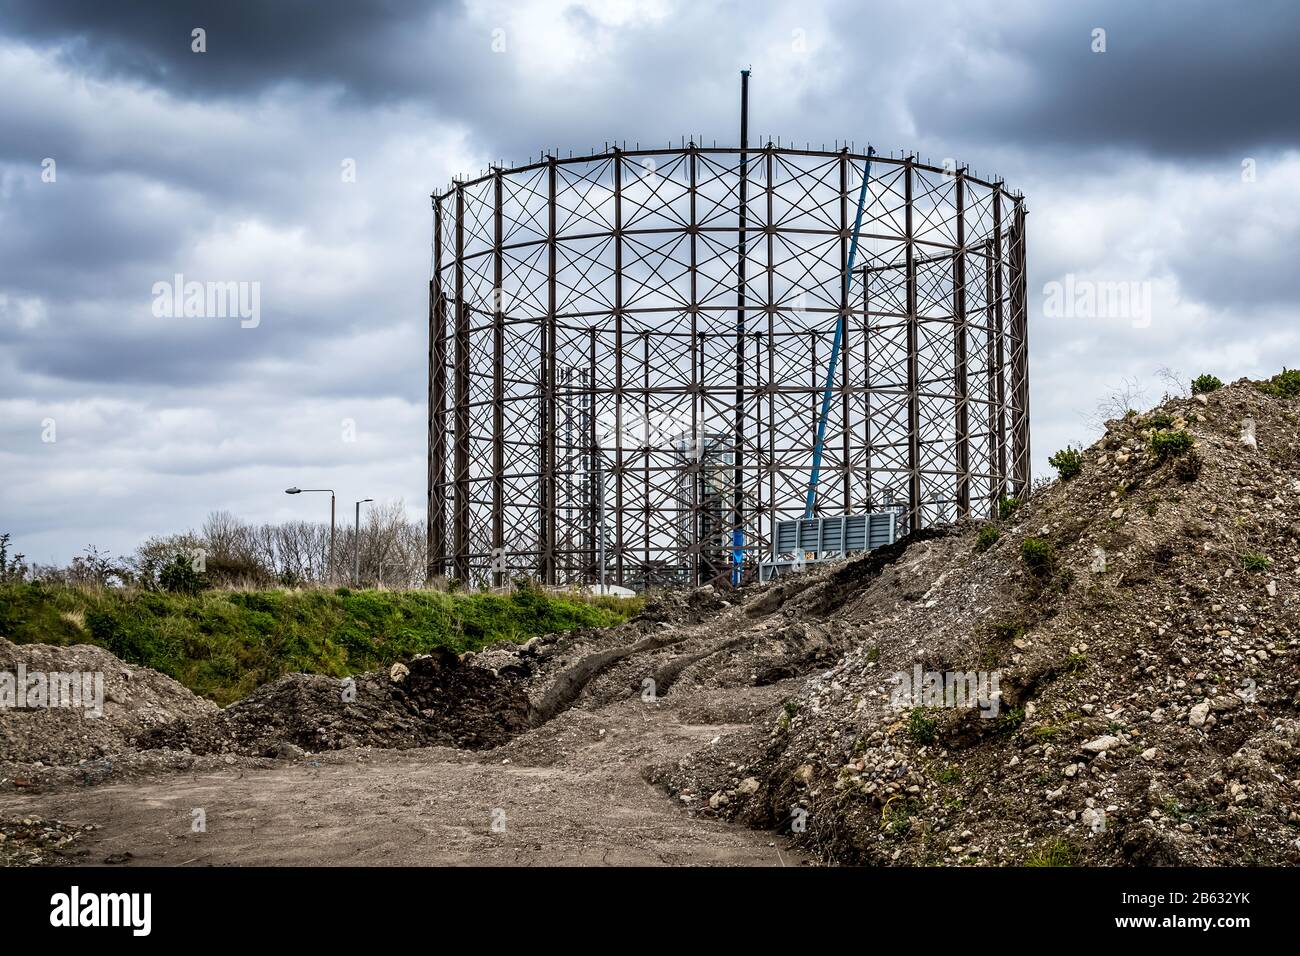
(179, 576)
(1285, 384)
(1037, 554)
(1160, 420)
(1007, 506)
(1255, 562)
(921, 726)
(236, 571)
(1068, 462)
(1166, 445)
(1204, 384)
(988, 537)
(11, 569)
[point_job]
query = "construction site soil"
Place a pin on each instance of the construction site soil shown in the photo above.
(1132, 633)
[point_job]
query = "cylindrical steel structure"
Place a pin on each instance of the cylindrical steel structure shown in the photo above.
(598, 403)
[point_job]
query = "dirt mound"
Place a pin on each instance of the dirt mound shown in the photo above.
(1141, 620)
(135, 699)
(433, 700)
(477, 701)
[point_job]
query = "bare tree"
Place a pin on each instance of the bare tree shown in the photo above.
(1176, 386)
(1123, 400)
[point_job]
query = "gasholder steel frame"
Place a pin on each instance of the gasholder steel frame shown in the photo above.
(597, 403)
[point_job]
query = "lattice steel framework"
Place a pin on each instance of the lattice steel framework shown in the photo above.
(604, 366)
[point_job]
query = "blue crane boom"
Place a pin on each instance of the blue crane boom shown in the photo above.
(811, 501)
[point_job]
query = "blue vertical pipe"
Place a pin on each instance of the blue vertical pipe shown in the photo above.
(811, 501)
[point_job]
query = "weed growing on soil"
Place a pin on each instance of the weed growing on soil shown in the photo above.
(1204, 384)
(789, 711)
(950, 774)
(1160, 421)
(921, 727)
(988, 537)
(1038, 556)
(1009, 721)
(1166, 445)
(1056, 853)
(896, 815)
(1255, 562)
(1068, 462)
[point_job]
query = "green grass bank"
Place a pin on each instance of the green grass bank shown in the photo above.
(223, 644)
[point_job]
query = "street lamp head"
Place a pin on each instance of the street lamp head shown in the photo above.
(293, 491)
(363, 500)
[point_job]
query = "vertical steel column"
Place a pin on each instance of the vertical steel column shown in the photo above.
(461, 507)
(1000, 350)
(913, 365)
(869, 504)
(550, 511)
(436, 532)
(738, 491)
(990, 384)
(593, 493)
(845, 351)
(645, 477)
(619, 544)
(959, 352)
(1020, 352)
(770, 171)
(498, 392)
(707, 556)
(813, 403)
(695, 464)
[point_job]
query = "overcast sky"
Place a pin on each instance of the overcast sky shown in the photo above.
(1170, 158)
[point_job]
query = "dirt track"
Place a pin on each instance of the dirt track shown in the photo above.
(279, 783)
(570, 795)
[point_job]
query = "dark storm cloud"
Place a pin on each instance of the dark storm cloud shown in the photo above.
(1190, 78)
(1179, 78)
(251, 44)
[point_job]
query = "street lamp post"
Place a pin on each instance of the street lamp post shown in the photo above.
(356, 545)
(298, 491)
